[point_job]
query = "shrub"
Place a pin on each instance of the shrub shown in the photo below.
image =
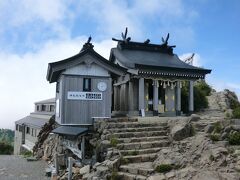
(215, 137)
(201, 90)
(217, 127)
(114, 142)
(234, 138)
(6, 148)
(27, 154)
(236, 112)
(204, 87)
(228, 115)
(164, 168)
(133, 153)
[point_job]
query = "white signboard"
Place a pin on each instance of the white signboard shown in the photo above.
(75, 95)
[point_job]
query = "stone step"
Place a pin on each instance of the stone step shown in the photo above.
(139, 129)
(138, 158)
(140, 151)
(144, 169)
(134, 125)
(142, 145)
(122, 119)
(128, 176)
(142, 139)
(135, 134)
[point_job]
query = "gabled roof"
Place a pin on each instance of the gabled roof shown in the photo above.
(46, 101)
(32, 121)
(149, 58)
(55, 68)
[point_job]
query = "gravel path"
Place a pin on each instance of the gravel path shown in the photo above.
(18, 168)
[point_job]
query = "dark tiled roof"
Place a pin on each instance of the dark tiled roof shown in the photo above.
(32, 121)
(46, 101)
(143, 59)
(70, 130)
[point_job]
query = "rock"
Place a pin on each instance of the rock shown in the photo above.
(209, 128)
(209, 175)
(75, 170)
(170, 175)
(194, 118)
(224, 135)
(85, 169)
(157, 177)
(227, 129)
(236, 127)
(181, 131)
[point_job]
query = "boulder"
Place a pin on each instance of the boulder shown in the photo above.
(194, 118)
(209, 175)
(181, 131)
(85, 169)
(209, 128)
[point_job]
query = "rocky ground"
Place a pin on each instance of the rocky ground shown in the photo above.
(195, 147)
(18, 168)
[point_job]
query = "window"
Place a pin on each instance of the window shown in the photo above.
(52, 108)
(17, 127)
(57, 87)
(38, 108)
(86, 84)
(28, 130)
(43, 107)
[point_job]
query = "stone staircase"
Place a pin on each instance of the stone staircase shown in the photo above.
(138, 143)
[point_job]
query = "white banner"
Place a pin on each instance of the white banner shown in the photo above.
(75, 95)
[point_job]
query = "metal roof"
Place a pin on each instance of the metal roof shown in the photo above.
(70, 130)
(46, 101)
(151, 59)
(32, 121)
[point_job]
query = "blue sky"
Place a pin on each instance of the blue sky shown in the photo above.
(36, 32)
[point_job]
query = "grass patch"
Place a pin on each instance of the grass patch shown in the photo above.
(114, 142)
(124, 160)
(115, 176)
(164, 168)
(133, 153)
(215, 137)
(27, 154)
(234, 138)
(217, 127)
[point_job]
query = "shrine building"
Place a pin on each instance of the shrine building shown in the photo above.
(139, 79)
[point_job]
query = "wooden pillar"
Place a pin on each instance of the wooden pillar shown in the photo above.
(191, 98)
(70, 164)
(115, 99)
(130, 96)
(178, 104)
(83, 147)
(141, 98)
(155, 97)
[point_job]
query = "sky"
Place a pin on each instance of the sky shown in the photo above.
(34, 33)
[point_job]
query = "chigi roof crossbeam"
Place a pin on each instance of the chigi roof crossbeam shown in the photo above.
(126, 43)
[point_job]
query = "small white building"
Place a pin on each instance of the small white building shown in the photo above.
(28, 128)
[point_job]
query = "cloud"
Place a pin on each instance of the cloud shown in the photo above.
(23, 78)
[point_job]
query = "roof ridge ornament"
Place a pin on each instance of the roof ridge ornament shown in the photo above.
(124, 37)
(87, 45)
